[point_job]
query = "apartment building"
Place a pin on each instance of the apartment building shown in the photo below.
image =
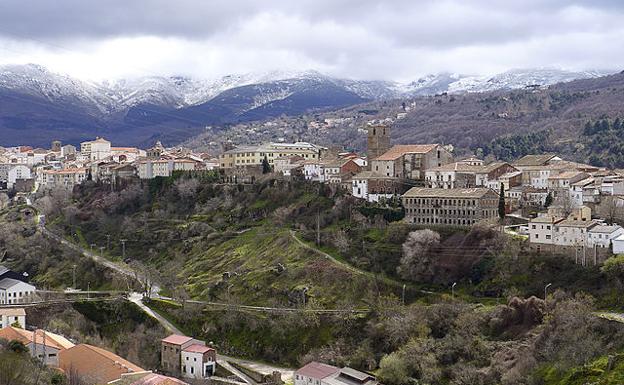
(458, 207)
(67, 178)
(148, 168)
(254, 155)
(97, 149)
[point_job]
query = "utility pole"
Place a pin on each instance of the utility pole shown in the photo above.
(453, 289)
(123, 248)
(108, 242)
(318, 228)
(74, 276)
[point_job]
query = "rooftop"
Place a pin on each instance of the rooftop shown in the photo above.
(13, 312)
(197, 348)
(399, 150)
(422, 192)
(605, 229)
(317, 370)
(176, 339)
(535, 160)
(8, 283)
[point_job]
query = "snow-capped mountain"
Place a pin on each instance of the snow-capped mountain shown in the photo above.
(58, 106)
(518, 78)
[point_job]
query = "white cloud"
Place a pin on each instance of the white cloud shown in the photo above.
(370, 39)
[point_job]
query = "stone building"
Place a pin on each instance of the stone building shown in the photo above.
(458, 207)
(378, 141)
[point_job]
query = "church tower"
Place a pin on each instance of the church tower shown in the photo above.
(378, 141)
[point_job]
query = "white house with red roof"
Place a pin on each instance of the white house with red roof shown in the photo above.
(198, 361)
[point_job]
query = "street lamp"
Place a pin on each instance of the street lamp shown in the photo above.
(453, 289)
(303, 292)
(403, 296)
(546, 290)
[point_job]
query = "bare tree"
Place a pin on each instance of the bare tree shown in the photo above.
(612, 208)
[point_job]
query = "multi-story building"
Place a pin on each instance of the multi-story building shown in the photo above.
(148, 168)
(466, 175)
(410, 161)
(97, 149)
(255, 155)
(16, 173)
(602, 236)
(459, 207)
(198, 361)
(186, 356)
(67, 178)
(13, 291)
(375, 187)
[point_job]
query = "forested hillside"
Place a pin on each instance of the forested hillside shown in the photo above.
(256, 245)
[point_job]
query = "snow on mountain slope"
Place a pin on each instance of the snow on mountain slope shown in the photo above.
(518, 78)
(37, 81)
(180, 92)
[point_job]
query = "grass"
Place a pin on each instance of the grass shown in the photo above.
(594, 373)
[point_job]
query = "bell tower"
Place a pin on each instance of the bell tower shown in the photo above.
(378, 141)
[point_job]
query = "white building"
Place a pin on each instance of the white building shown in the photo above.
(602, 236)
(618, 245)
(198, 361)
(13, 316)
(149, 169)
(13, 292)
(17, 172)
(542, 230)
(97, 149)
(67, 178)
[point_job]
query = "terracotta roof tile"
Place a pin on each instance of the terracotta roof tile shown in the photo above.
(401, 149)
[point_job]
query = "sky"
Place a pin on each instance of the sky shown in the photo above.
(359, 39)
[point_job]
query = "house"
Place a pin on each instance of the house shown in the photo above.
(316, 373)
(602, 236)
(349, 376)
(13, 316)
(458, 207)
(94, 364)
(41, 344)
(13, 291)
(410, 161)
(198, 361)
(618, 245)
(313, 373)
(171, 352)
(464, 175)
(375, 187)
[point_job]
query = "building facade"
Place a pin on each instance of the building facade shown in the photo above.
(457, 207)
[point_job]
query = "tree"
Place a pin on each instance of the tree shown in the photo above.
(393, 370)
(416, 262)
(549, 200)
(612, 209)
(501, 203)
(266, 167)
(17, 347)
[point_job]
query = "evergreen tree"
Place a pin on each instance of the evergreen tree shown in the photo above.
(549, 200)
(266, 167)
(501, 202)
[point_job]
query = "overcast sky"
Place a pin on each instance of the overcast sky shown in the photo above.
(363, 39)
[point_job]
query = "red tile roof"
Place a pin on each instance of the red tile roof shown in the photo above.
(401, 149)
(197, 348)
(176, 339)
(317, 370)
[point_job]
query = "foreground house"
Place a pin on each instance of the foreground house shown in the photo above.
(95, 365)
(458, 207)
(41, 344)
(316, 373)
(12, 316)
(186, 356)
